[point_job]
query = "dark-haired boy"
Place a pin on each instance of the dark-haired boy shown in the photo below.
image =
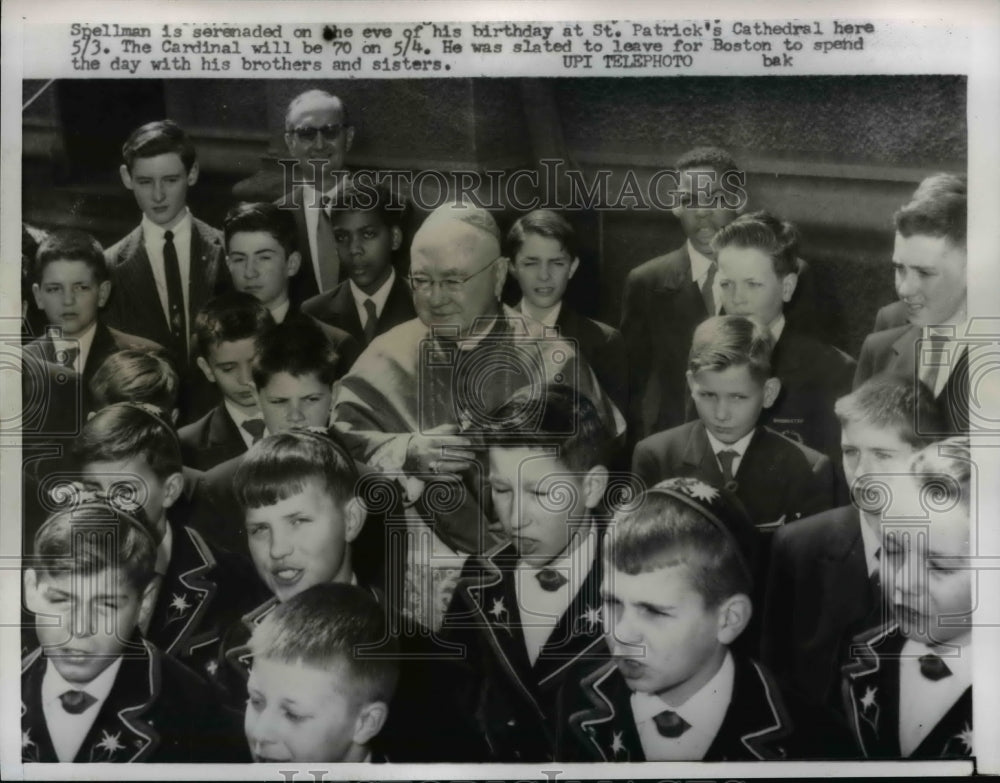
(367, 231)
(824, 579)
(908, 688)
(731, 383)
(528, 608)
(314, 696)
(199, 590)
(96, 690)
(676, 595)
(262, 257)
(226, 332)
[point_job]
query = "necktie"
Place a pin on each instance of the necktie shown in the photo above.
(875, 586)
(75, 702)
(706, 289)
(934, 356)
(670, 724)
(550, 579)
(371, 322)
(175, 296)
(933, 668)
(726, 457)
(255, 427)
(67, 357)
(328, 261)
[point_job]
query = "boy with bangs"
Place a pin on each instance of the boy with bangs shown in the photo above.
(908, 688)
(676, 596)
(96, 690)
(314, 696)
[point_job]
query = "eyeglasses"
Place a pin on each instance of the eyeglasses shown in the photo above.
(421, 284)
(307, 133)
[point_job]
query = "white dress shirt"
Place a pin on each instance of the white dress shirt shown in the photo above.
(700, 264)
(548, 319)
(872, 544)
(704, 713)
(954, 329)
(281, 311)
(923, 702)
(238, 415)
(740, 447)
(153, 239)
(83, 342)
(66, 730)
(379, 297)
(777, 326)
(313, 203)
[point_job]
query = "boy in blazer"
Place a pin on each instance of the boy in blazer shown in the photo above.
(367, 223)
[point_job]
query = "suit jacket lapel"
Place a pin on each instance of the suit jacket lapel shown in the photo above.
(871, 692)
(607, 728)
(698, 454)
(755, 720)
(36, 742)
(952, 736)
(398, 306)
(222, 430)
(139, 286)
(343, 305)
(206, 253)
(102, 346)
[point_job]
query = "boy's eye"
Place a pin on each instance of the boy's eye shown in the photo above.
(501, 490)
(340, 236)
(294, 717)
(256, 530)
(370, 233)
(256, 702)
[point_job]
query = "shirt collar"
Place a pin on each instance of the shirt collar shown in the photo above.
(279, 312)
(379, 297)
(740, 447)
(83, 342)
(313, 198)
(959, 661)
(549, 319)
(155, 232)
(581, 551)
(699, 262)
(54, 684)
(238, 415)
(777, 326)
(956, 322)
(700, 707)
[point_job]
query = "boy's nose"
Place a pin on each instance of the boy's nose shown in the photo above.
(544, 273)
(69, 296)
(158, 191)
(722, 410)
(296, 414)
(906, 284)
(244, 375)
(281, 545)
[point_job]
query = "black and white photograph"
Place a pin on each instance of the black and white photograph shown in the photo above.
(439, 384)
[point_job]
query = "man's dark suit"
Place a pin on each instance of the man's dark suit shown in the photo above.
(661, 307)
(303, 285)
(819, 597)
(604, 348)
(895, 351)
(337, 308)
(890, 316)
(214, 438)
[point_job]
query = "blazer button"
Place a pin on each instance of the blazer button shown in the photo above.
(512, 722)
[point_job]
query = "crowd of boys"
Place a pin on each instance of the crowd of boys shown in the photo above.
(284, 475)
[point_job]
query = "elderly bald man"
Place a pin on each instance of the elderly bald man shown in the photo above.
(415, 402)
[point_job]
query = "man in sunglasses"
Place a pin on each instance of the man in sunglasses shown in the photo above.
(318, 134)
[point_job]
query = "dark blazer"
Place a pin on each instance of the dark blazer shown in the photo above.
(890, 316)
(871, 701)
(303, 284)
(819, 597)
(106, 342)
(214, 438)
(348, 349)
(777, 479)
(895, 351)
(604, 349)
(158, 711)
(337, 308)
(511, 701)
(595, 721)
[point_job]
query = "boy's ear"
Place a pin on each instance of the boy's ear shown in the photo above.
(173, 488)
(690, 380)
(573, 266)
(206, 368)
(371, 718)
(734, 615)
(32, 602)
(37, 291)
(594, 484)
(348, 138)
(772, 386)
(355, 514)
(193, 172)
(502, 267)
(293, 262)
(126, 176)
(103, 292)
(397, 237)
(788, 283)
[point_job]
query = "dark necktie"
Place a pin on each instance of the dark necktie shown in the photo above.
(67, 357)
(933, 668)
(875, 589)
(550, 579)
(255, 427)
(706, 289)
(670, 724)
(371, 322)
(726, 457)
(328, 261)
(933, 360)
(75, 702)
(175, 296)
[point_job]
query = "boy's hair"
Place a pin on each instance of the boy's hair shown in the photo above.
(764, 232)
(309, 94)
(127, 430)
(230, 317)
(663, 529)
(358, 194)
(296, 346)
(726, 341)
(132, 375)
(944, 471)
(886, 401)
(280, 465)
(330, 626)
(262, 216)
(158, 138)
(93, 536)
(543, 222)
(556, 415)
(69, 244)
(714, 158)
(938, 208)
